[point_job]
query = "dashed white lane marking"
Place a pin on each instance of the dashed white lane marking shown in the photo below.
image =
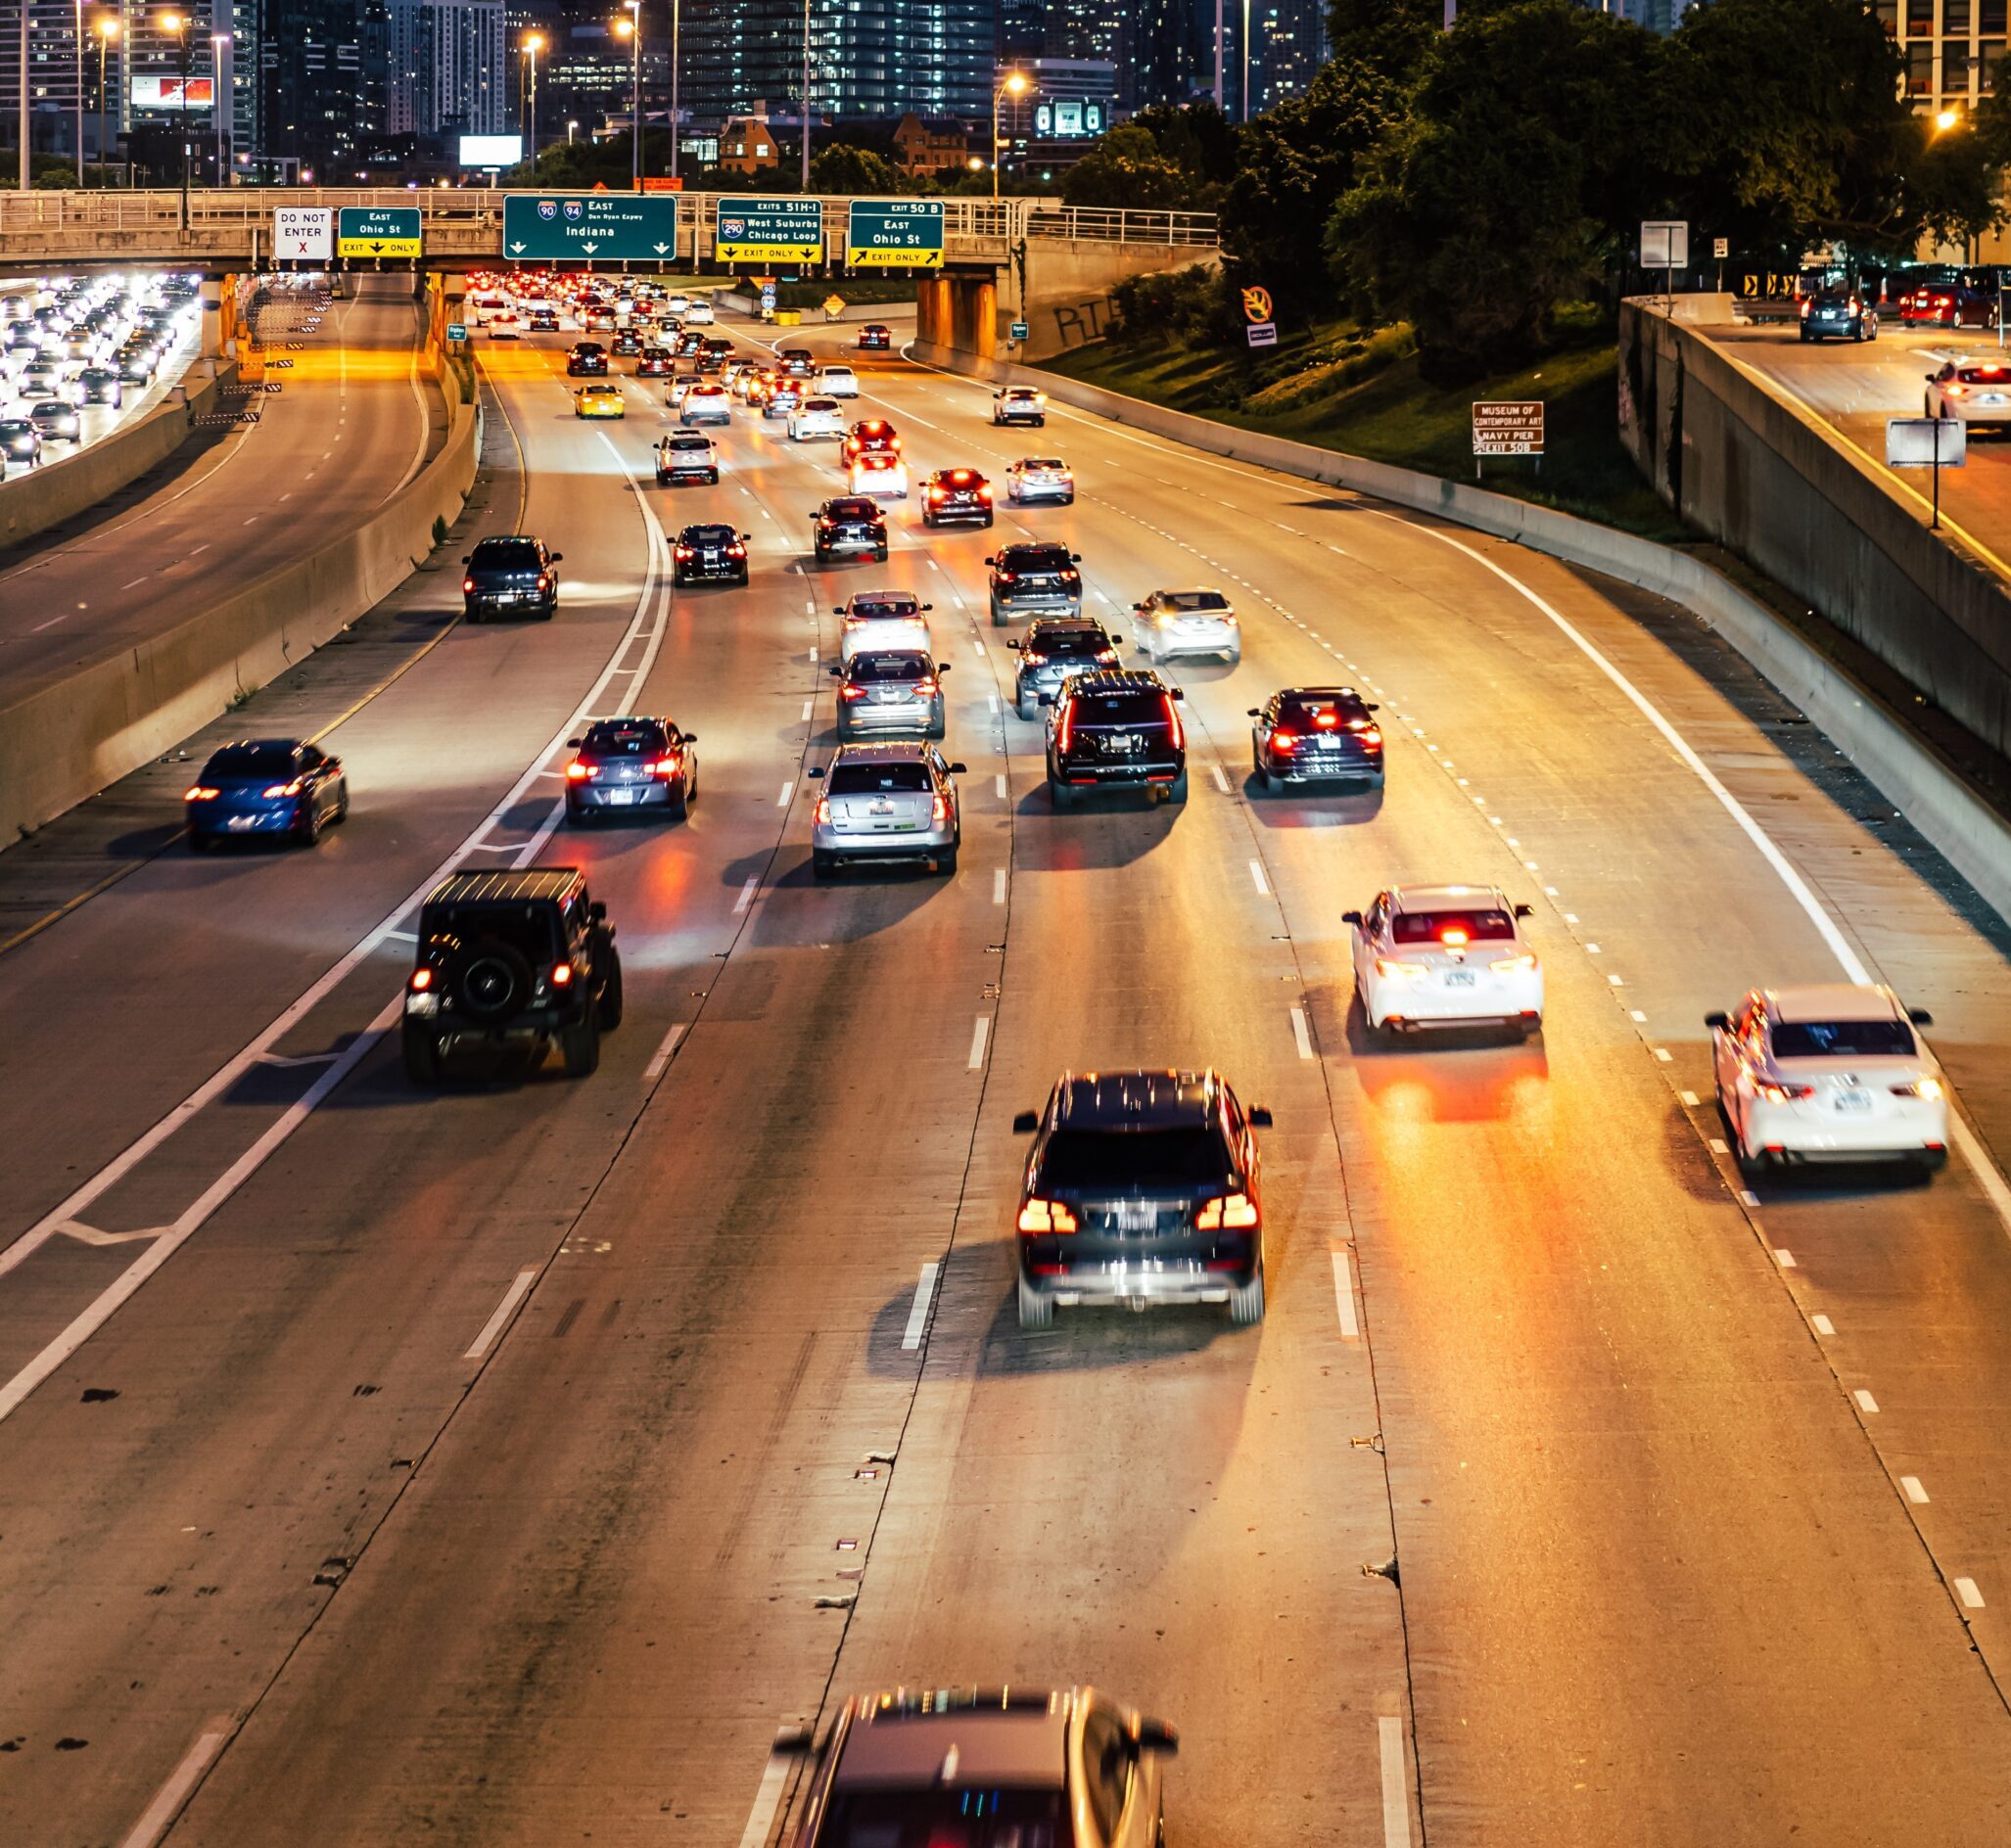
(1720, 1146)
(1221, 781)
(1785, 1258)
(999, 886)
(992, 703)
(1637, 1016)
(977, 648)
(1822, 1324)
(1396, 1795)
(662, 1055)
(1257, 880)
(252, 521)
(1664, 1055)
(181, 1783)
(1689, 1098)
(1344, 1298)
(788, 790)
(142, 579)
(1747, 1197)
(746, 897)
(1865, 1402)
(978, 1036)
(809, 707)
(520, 1287)
(812, 657)
(918, 1313)
(1914, 1492)
(1972, 1599)
(766, 1800)
(1301, 1034)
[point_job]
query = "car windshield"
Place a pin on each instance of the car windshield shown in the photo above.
(1318, 711)
(253, 760)
(1194, 600)
(1842, 1040)
(904, 665)
(1185, 1156)
(854, 510)
(505, 555)
(881, 608)
(1068, 643)
(944, 1818)
(1487, 926)
(869, 779)
(1035, 558)
(632, 739)
(1120, 709)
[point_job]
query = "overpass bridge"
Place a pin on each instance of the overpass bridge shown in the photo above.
(1032, 260)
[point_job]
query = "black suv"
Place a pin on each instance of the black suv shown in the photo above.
(1309, 734)
(512, 959)
(626, 345)
(1142, 1187)
(508, 574)
(1053, 648)
(1030, 579)
(588, 359)
(957, 494)
(709, 555)
(1115, 726)
(850, 522)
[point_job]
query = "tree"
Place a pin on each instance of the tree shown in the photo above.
(1507, 185)
(844, 168)
(1198, 138)
(1125, 169)
(1296, 161)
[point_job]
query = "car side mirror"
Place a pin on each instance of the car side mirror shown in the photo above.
(1046, 699)
(1260, 1115)
(1352, 917)
(690, 737)
(1178, 693)
(837, 673)
(837, 609)
(556, 556)
(1920, 1017)
(959, 769)
(1026, 1123)
(1930, 377)
(944, 666)
(1253, 713)
(467, 557)
(1075, 558)
(572, 744)
(989, 559)
(1525, 911)
(926, 607)
(815, 772)
(1721, 1022)
(1155, 1735)
(792, 1741)
(1140, 608)
(597, 911)
(1368, 706)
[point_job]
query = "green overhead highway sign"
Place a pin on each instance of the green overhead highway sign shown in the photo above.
(600, 227)
(900, 233)
(377, 231)
(770, 231)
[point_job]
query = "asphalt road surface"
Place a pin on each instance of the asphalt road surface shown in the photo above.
(504, 1466)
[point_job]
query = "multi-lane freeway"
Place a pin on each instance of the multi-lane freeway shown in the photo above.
(504, 1464)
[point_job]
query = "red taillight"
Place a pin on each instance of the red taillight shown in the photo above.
(422, 980)
(577, 773)
(201, 794)
(562, 975)
(984, 493)
(543, 580)
(467, 584)
(849, 693)
(275, 789)
(935, 493)
(1326, 722)
(821, 813)
(925, 689)
(1228, 1212)
(684, 551)
(736, 551)
(1067, 727)
(1372, 739)
(1039, 1217)
(939, 809)
(1008, 577)
(1951, 391)
(1107, 654)
(1786, 1093)
(1173, 727)
(664, 768)
(1286, 741)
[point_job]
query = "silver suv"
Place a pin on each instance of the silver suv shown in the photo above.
(1038, 580)
(890, 694)
(885, 802)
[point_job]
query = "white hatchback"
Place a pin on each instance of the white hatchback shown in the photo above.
(1828, 1072)
(817, 417)
(1446, 956)
(699, 314)
(1973, 390)
(884, 622)
(838, 382)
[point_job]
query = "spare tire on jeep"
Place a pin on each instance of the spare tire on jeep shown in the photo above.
(489, 979)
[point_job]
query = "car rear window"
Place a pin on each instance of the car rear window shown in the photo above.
(707, 535)
(966, 1817)
(881, 608)
(1983, 375)
(528, 928)
(701, 446)
(867, 779)
(1185, 1156)
(505, 555)
(1318, 712)
(251, 759)
(1129, 709)
(1194, 600)
(820, 404)
(628, 740)
(1431, 927)
(892, 666)
(854, 510)
(1035, 558)
(1044, 462)
(1841, 1040)
(1068, 644)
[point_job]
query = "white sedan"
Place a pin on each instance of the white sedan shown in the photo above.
(1830, 1072)
(838, 382)
(1973, 390)
(1040, 478)
(698, 314)
(1446, 956)
(1019, 404)
(817, 417)
(1170, 623)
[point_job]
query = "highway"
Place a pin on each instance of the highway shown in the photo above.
(504, 1466)
(349, 427)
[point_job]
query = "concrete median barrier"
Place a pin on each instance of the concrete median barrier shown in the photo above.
(32, 500)
(67, 736)
(1966, 831)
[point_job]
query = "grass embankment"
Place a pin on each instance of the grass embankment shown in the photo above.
(1358, 393)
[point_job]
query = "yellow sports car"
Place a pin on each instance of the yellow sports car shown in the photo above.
(598, 400)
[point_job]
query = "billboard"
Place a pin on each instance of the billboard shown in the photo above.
(492, 149)
(151, 92)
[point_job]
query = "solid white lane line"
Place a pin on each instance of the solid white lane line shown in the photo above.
(1221, 781)
(809, 707)
(662, 1056)
(746, 897)
(979, 1033)
(788, 790)
(1301, 1034)
(766, 1800)
(918, 1313)
(999, 886)
(1822, 1324)
(1344, 1298)
(1865, 1402)
(167, 1801)
(1396, 1796)
(1257, 879)
(520, 1288)
(1914, 1492)
(1972, 1599)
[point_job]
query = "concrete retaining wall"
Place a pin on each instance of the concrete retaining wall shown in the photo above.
(1779, 488)
(67, 738)
(36, 500)
(1971, 835)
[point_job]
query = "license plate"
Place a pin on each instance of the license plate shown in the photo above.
(880, 808)
(1135, 1216)
(1853, 1101)
(621, 797)
(1459, 978)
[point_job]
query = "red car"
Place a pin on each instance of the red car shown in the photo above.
(874, 338)
(1947, 305)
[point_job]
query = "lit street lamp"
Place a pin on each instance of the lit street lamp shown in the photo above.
(533, 43)
(674, 89)
(219, 46)
(1014, 84)
(108, 31)
(630, 28)
(178, 24)
(571, 128)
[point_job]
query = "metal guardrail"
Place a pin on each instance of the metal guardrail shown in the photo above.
(468, 221)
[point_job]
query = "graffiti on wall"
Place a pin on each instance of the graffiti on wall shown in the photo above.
(1077, 323)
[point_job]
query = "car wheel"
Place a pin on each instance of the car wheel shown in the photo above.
(1036, 1306)
(1060, 794)
(1873, 335)
(823, 865)
(928, 519)
(680, 803)
(1273, 785)
(1026, 707)
(580, 1047)
(310, 825)
(988, 519)
(1246, 1302)
(999, 616)
(342, 808)
(1177, 790)
(610, 1010)
(946, 861)
(714, 478)
(421, 1053)
(881, 555)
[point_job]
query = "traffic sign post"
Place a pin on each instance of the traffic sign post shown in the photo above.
(1262, 333)
(1928, 443)
(589, 227)
(768, 231)
(377, 231)
(303, 233)
(1507, 427)
(1665, 246)
(893, 234)
(1021, 330)
(1262, 330)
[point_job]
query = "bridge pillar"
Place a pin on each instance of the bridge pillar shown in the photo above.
(216, 319)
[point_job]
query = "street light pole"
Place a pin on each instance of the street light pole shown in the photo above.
(533, 43)
(806, 95)
(77, 10)
(108, 31)
(218, 43)
(178, 24)
(24, 23)
(674, 89)
(1016, 83)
